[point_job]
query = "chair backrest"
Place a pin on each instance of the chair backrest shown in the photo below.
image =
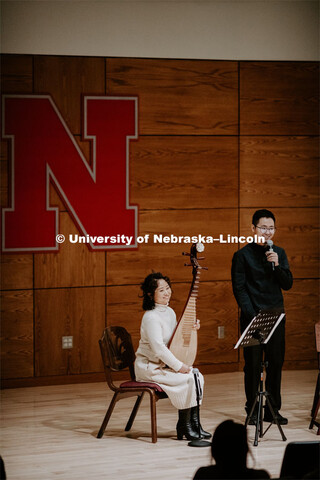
(300, 458)
(117, 352)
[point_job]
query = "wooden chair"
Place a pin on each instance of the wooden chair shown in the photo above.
(316, 399)
(118, 354)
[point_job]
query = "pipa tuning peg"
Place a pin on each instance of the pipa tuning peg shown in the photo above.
(188, 265)
(201, 258)
(186, 253)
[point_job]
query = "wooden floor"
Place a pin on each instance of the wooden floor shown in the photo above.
(49, 432)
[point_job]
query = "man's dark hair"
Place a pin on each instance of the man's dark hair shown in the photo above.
(261, 214)
(148, 287)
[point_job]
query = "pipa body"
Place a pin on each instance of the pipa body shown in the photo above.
(184, 341)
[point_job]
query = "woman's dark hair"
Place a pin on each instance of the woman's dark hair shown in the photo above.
(148, 287)
(262, 214)
(229, 444)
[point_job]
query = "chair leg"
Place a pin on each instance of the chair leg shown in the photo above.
(153, 417)
(313, 419)
(315, 407)
(134, 412)
(108, 415)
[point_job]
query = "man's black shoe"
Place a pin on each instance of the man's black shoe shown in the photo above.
(281, 420)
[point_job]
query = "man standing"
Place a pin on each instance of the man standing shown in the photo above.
(258, 276)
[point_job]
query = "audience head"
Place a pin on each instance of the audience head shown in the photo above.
(229, 445)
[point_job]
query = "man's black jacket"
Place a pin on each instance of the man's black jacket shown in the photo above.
(255, 285)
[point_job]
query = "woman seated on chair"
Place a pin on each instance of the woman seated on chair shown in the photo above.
(154, 361)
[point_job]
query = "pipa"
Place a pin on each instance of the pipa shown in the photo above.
(184, 342)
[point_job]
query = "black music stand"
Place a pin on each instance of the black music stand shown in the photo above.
(198, 442)
(259, 332)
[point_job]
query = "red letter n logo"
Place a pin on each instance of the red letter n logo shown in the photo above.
(43, 150)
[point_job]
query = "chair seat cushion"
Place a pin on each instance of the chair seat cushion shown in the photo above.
(134, 384)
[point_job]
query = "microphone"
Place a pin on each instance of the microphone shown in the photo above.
(270, 243)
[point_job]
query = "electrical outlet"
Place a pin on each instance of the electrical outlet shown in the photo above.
(220, 332)
(67, 342)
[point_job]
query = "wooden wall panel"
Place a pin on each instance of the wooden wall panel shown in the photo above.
(191, 173)
(132, 267)
(215, 307)
(16, 272)
(184, 172)
(74, 264)
(16, 73)
(66, 79)
(178, 97)
(297, 232)
(124, 309)
(77, 312)
(17, 334)
(279, 98)
(302, 306)
(280, 171)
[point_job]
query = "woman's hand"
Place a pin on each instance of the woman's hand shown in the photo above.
(196, 325)
(185, 368)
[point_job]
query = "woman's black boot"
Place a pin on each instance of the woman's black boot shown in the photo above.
(195, 423)
(184, 427)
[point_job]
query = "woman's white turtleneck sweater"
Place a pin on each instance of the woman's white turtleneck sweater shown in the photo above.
(157, 327)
